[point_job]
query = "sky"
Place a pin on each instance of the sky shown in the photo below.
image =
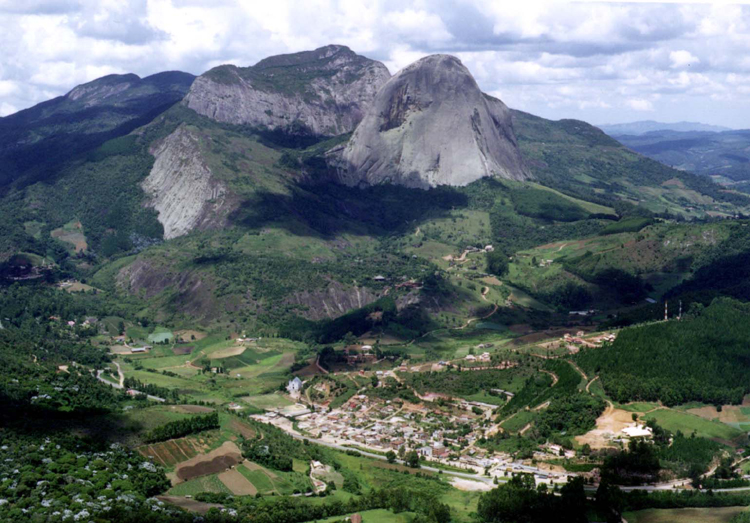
(602, 62)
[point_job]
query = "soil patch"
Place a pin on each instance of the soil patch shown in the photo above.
(189, 335)
(608, 425)
(245, 430)
(219, 460)
(491, 280)
(468, 484)
(120, 349)
(728, 414)
(237, 483)
(227, 353)
(181, 350)
(189, 504)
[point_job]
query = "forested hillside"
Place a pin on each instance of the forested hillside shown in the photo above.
(702, 357)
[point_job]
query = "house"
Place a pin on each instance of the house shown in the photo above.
(135, 350)
(637, 431)
(440, 452)
(294, 385)
(471, 357)
(485, 356)
(379, 278)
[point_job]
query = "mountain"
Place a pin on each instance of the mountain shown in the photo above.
(581, 160)
(33, 142)
(431, 125)
(725, 155)
(647, 126)
(324, 92)
(192, 217)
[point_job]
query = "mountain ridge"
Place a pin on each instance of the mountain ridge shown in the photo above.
(645, 126)
(323, 92)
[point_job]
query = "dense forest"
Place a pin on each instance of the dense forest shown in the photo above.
(702, 357)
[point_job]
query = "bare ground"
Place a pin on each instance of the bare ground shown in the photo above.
(227, 353)
(468, 484)
(237, 483)
(219, 460)
(610, 423)
(189, 504)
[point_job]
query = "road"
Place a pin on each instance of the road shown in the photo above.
(121, 384)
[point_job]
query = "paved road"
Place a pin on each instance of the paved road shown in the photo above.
(464, 475)
(121, 384)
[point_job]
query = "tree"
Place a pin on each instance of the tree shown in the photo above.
(497, 263)
(390, 456)
(412, 459)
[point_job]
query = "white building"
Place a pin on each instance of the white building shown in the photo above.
(294, 385)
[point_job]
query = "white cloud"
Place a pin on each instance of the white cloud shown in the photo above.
(682, 58)
(640, 105)
(6, 109)
(597, 61)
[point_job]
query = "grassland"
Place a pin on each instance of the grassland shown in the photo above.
(673, 421)
(255, 370)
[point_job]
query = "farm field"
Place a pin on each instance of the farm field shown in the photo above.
(170, 453)
(684, 515)
(210, 483)
(376, 516)
(71, 233)
(218, 460)
(673, 420)
(268, 401)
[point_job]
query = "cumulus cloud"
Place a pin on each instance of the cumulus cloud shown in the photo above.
(682, 58)
(595, 61)
(639, 104)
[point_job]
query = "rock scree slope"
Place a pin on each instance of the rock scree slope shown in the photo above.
(431, 125)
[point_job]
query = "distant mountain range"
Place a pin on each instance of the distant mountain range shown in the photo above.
(723, 155)
(647, 126)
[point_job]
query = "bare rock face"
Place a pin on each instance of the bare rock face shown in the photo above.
(182, 189)
(332, 302)
(321, 92)
(431, 125)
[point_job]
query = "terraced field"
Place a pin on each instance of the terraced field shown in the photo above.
(170, 453)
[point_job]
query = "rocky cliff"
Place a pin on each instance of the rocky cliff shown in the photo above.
(181, 187)
(321, 92)
(431, 125)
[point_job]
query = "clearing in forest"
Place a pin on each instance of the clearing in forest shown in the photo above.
(608, 425)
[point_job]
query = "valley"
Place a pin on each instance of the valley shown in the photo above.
(381, 295)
